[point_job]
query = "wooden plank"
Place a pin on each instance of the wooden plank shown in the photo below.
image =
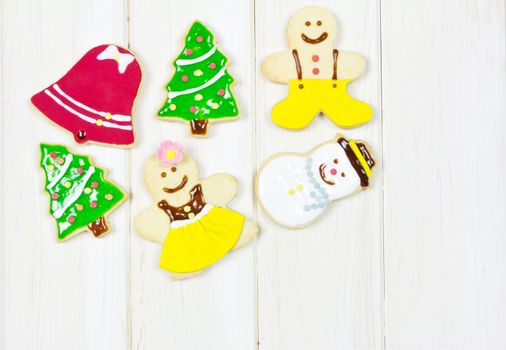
(217, 309)
(444, 140)
(321, 287)
(68, 295)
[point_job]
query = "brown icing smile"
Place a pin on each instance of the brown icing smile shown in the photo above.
(318, 40)
(322, 175)
(178, 187)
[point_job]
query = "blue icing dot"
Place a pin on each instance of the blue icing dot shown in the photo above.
(317, 185)
(312, 181)
(307, 208)
(321, 205)
(313, 193)
(314, 205)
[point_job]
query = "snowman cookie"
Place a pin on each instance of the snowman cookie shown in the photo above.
(190, 217)
(294, 189)
(94, 100)
(318, 74)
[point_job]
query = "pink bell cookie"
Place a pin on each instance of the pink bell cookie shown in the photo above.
(94, 100)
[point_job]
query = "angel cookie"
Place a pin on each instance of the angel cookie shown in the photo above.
(294, 189)
(318, 74)
(190, 218)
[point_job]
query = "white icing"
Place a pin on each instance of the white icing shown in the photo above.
(181, 223)
(112, 53)
(116, 117)
(64, 168)
(75, 195)
(85, 117)
(188, 61)
(211, 81)
(287, 172)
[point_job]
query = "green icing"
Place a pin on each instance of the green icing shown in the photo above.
(214, 100)
(72, 189)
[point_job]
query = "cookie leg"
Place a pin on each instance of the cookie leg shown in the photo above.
(183, 276)
(249, 230)
(294, 112)
(347, 112)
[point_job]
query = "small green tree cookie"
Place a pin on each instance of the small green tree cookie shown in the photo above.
(199, 90)
(80, 195)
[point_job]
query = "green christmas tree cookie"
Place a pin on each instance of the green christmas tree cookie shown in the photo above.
(80, 195)
(199, 91)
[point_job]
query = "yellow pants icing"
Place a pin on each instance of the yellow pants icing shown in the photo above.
(203, 242)
(320, 95)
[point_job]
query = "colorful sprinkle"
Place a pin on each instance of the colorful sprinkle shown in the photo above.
(189, 52)
(198, 97)
(94, 184)
(315, 58)
(108, 196)
(300, 187)
(187, 209)
(50, 167)
(172, 107)
(55, 196)
(291, 192)
(60, 161)
(80, 170)
(107, 115)
(87, 190)
(215, 105)
(198, 73)
(79, 207)
(52, 154)
(221, 92)
(200, 39)
(67, 184)
(93, 204)
(316, 71)
(193, 109)
(99, 122)
(71, 219)
(191, 215)
(212, 65)
(184, 78)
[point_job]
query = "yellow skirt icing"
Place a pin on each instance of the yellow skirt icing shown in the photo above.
(202, 242)
(320, 95)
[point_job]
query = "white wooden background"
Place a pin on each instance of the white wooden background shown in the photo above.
(416, 262)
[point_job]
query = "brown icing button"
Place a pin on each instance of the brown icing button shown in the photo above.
(301, 86)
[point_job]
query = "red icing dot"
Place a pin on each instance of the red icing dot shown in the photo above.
(94, 184)
(193, 109)
(189, 52)
(184, 78)
(315, 58)
(221, 92)
(53, 154)
(55, 196)
(316, 71)
(333, 171)
(71, 219)
(93, 204)
(80, 170)
(212, 65)
(200, 39)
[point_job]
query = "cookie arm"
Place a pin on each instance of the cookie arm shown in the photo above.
(350, 65)
(279, 67)
(152, 224)
(219, 189)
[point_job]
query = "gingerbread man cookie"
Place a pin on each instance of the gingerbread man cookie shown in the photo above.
(294, 189)
(190, 217)
(95, 98)
(317, 73)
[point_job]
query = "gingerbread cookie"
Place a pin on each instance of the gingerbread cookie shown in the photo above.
(317, 73)
(190, 217)
(81, 196)
(94, 100)
(200, 89)
(294, 189)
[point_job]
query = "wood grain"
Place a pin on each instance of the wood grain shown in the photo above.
(415, 262)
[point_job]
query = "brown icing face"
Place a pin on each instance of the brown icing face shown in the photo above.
(324, 177)
(184, 180)
(318, 40)
(311, 25)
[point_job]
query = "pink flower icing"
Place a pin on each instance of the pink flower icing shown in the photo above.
(170, 153)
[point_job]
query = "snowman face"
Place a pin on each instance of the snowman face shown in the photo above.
(334, 170)
(166, 181)
(312, 25)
